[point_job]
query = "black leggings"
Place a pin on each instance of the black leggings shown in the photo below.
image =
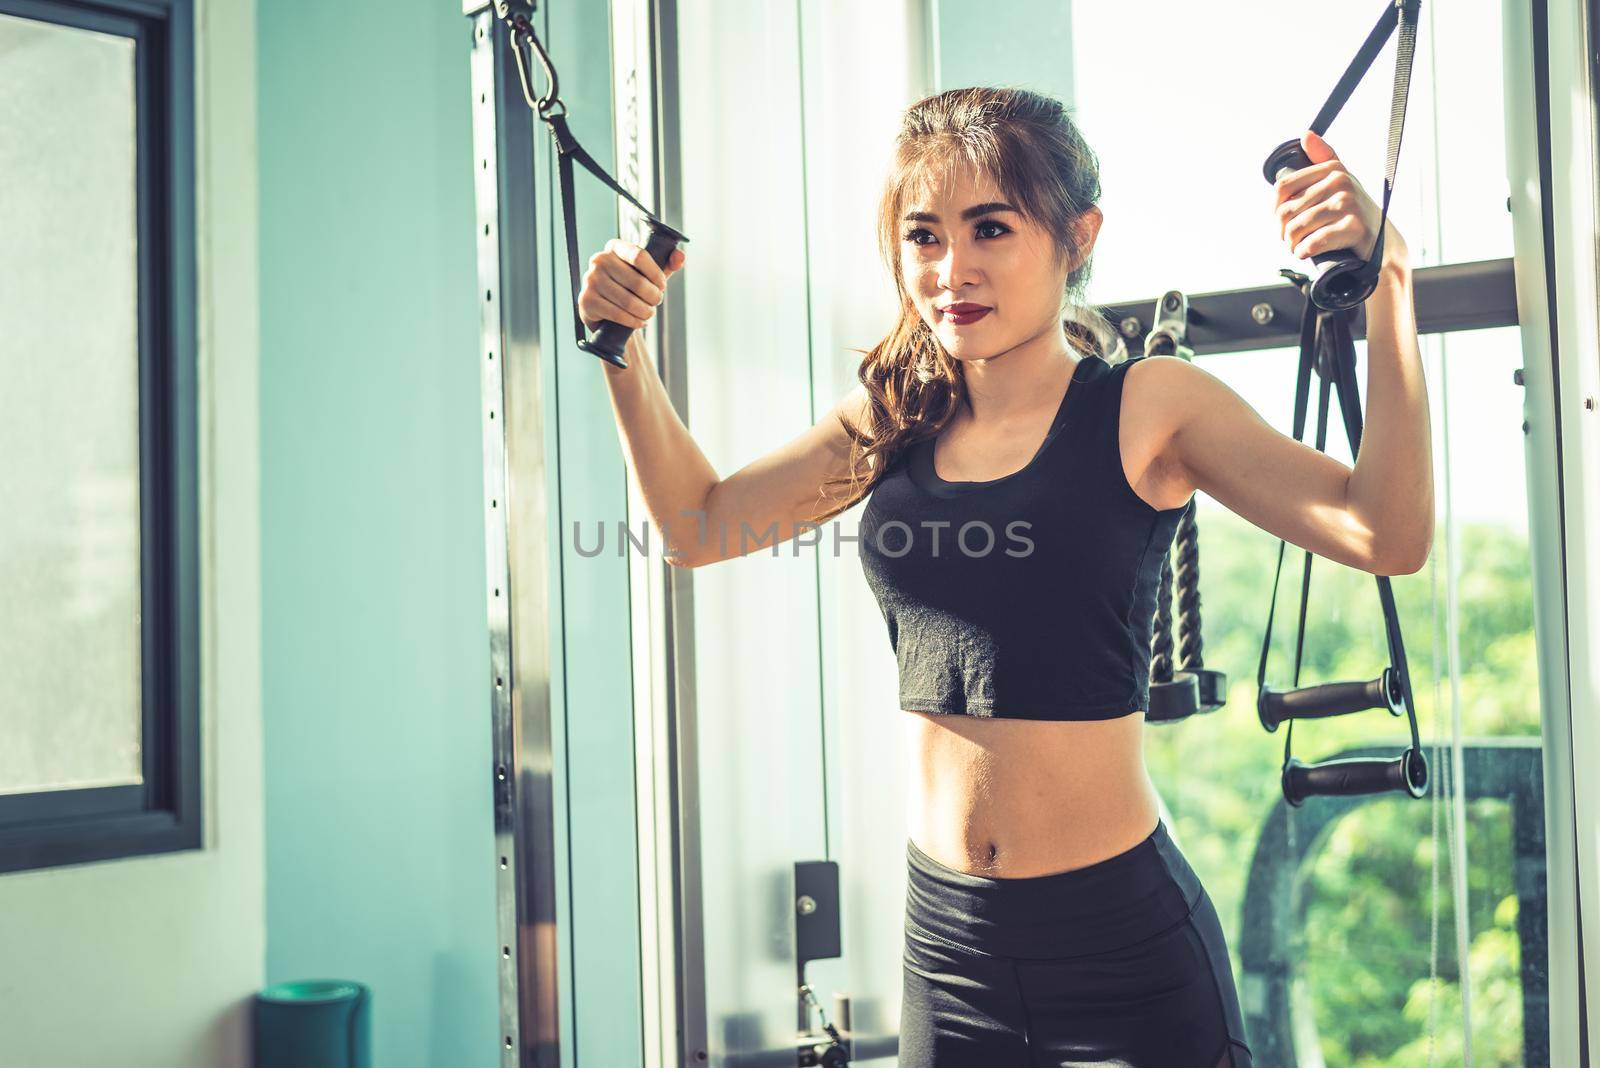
(1121, 963)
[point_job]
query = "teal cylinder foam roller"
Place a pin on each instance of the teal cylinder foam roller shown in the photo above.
(313, 1023)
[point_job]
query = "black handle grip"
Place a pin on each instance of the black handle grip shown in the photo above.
(1406, 773)
(610, 341)
(1339, 277)
(1329, 699)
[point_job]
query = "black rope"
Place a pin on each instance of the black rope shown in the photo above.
(1161, 638)
(1186, 551)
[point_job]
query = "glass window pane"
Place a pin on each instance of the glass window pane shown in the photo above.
(1372, 970)
(1399, 931)
(792, 110)
(1183, 102)
(69, 415)
(1186, 206)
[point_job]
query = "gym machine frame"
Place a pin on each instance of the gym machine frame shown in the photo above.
(1456, 297)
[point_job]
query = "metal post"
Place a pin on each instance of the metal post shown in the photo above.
(517, 556)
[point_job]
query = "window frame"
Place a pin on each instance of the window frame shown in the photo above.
(51, 828)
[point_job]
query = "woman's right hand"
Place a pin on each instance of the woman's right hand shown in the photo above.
(624, 285)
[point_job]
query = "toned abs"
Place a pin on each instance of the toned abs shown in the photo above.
(1015, 798)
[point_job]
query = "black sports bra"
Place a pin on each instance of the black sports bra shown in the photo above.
(1030, 596)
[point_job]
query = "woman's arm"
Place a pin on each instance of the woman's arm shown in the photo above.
(1378, 516)
(705, 518)
(697, 517)
(1393, 478)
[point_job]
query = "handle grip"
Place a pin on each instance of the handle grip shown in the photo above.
(1329, 699)
(1406, 773)
(1340, 278)
(610, 341)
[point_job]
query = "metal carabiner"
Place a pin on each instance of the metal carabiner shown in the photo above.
(514, 13)
(610, 338)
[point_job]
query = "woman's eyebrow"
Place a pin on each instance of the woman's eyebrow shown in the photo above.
(971, 213)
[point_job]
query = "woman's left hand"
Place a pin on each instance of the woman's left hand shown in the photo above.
(1322, 207)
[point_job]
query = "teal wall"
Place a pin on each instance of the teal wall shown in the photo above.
(379, 836)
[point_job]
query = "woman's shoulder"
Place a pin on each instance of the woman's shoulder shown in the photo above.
(1161, 372)
(1158, 392)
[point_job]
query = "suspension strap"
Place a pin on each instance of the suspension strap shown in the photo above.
(611, 339)
(1327, 347)
(1342, 278)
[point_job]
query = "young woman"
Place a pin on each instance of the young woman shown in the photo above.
(1023, 491)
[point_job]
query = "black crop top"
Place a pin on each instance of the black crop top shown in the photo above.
(1030, 596)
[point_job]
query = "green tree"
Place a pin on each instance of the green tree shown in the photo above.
(1367, 938)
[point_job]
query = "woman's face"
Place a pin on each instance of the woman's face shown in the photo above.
(966, 246)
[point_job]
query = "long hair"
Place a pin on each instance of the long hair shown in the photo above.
(1030, 147)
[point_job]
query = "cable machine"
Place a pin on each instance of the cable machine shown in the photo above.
(1181, 684)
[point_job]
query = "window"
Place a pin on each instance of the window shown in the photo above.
(99, 647)
(1378, 929)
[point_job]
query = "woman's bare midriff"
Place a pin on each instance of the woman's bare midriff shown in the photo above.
(1016, 798)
